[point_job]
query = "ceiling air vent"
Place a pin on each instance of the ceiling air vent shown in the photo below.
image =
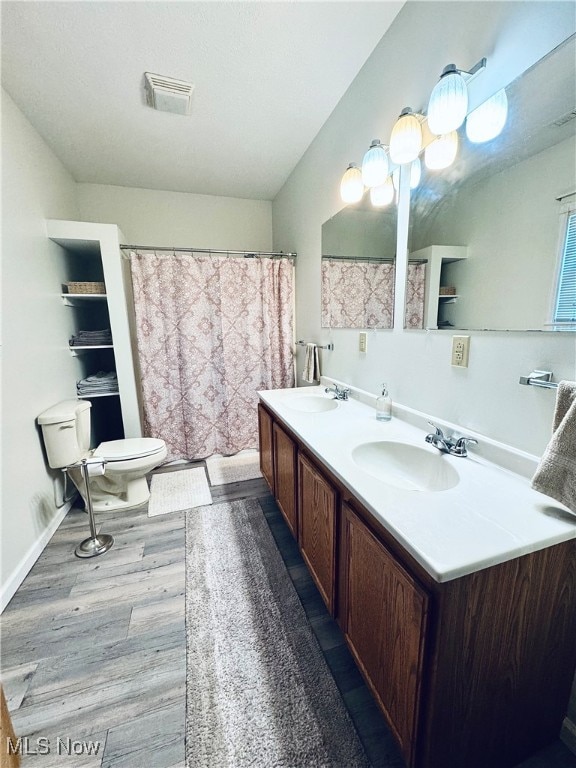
(168, 94)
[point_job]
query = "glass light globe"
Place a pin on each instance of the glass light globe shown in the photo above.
(375, 165)
(448, 103)
(351, 186)
(487, 121)
(382, 195)
(406, 139)
(441, 153)
(415, 173)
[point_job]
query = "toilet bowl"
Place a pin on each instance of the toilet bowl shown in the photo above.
(66, 432)
(123, 484)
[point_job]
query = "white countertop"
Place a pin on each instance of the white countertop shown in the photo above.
(492, 515)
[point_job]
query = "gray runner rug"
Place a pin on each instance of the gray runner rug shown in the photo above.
(258, 690)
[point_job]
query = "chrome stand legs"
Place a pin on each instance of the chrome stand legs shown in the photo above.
(96, 544)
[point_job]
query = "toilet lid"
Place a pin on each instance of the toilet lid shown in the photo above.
(132, 447)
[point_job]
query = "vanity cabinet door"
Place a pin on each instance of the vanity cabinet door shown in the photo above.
(266, 446)
(317, 527)
(285, 468)
(384, 621)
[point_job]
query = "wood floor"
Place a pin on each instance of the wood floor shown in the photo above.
(93, 651)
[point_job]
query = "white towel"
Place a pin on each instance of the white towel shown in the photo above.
(556, 473)
(311, 372)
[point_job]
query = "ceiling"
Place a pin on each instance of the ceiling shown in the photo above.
(267, 75)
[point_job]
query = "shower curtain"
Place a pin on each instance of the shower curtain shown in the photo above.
(360, 294)
(211, 331)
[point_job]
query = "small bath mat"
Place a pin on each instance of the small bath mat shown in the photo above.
(233, 469)
(174, 491)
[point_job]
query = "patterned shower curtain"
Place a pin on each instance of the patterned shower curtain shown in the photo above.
(360, 294)
(211, 331)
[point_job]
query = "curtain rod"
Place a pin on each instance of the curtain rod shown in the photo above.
(372, 259)
(245, 254)
(568, 194)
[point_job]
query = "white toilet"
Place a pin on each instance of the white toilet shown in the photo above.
(66, 432)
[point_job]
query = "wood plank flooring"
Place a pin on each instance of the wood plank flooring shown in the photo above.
(94, 657)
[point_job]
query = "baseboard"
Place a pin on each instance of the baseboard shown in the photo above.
(9, 589)
(568, 734)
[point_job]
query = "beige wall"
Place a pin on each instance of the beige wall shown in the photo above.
(37, 368)
(179, 219)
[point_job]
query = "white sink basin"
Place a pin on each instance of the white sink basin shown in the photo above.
(406, 466)
(312, 404)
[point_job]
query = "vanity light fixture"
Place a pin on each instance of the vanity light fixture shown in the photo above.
(448, 104)
(488, 120)
(352, 186)
(441, 152)
(415, 175)
(375, 165)
(382, 195)
(406, 138)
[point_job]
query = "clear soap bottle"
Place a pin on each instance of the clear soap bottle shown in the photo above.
(384, 405)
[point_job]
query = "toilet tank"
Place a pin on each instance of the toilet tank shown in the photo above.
(66, 432)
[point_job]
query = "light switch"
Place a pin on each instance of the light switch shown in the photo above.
(460, 351)
(362, 344)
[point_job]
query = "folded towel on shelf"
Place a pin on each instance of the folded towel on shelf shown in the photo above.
(89, 338)
(556, 473)
(98, 384)
(311, 372)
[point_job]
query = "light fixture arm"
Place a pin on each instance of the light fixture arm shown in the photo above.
(466, 74)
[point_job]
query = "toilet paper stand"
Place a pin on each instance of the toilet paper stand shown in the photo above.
(96, 544)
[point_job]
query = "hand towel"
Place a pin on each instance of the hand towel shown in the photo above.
(311, 372)
(556, 473)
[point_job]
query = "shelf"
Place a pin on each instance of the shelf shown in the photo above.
(91, 397)
(73, 299)
(81, 350)
(448, 298)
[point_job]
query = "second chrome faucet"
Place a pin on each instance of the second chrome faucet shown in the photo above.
(455, 446)
(339, 393)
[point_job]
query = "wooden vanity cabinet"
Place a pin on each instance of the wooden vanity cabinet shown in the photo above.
(384, 614)
(285, 453)
(266, 446)
(487, 683)
(317, 500)
(470, 673)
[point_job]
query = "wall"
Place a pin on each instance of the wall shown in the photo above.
(38, 369)
(179, 219)
(403, 69)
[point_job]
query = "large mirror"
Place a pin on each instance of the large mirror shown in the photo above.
(358, 255)
(488, 227)
(358, 270)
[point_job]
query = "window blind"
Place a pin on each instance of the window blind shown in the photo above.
(565, 310)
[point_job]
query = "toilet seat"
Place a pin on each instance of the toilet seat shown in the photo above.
(130, 448)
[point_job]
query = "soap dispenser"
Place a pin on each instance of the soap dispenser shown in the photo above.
(384, 405)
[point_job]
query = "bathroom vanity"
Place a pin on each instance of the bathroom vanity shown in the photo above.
(458, 604)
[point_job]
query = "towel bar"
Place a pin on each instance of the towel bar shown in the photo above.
(329, 346)
(539, 379)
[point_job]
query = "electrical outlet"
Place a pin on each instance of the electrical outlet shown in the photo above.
(363, 342)
(460, 351)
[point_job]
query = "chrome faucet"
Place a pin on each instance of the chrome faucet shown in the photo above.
(339, 394)
(455, 446)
